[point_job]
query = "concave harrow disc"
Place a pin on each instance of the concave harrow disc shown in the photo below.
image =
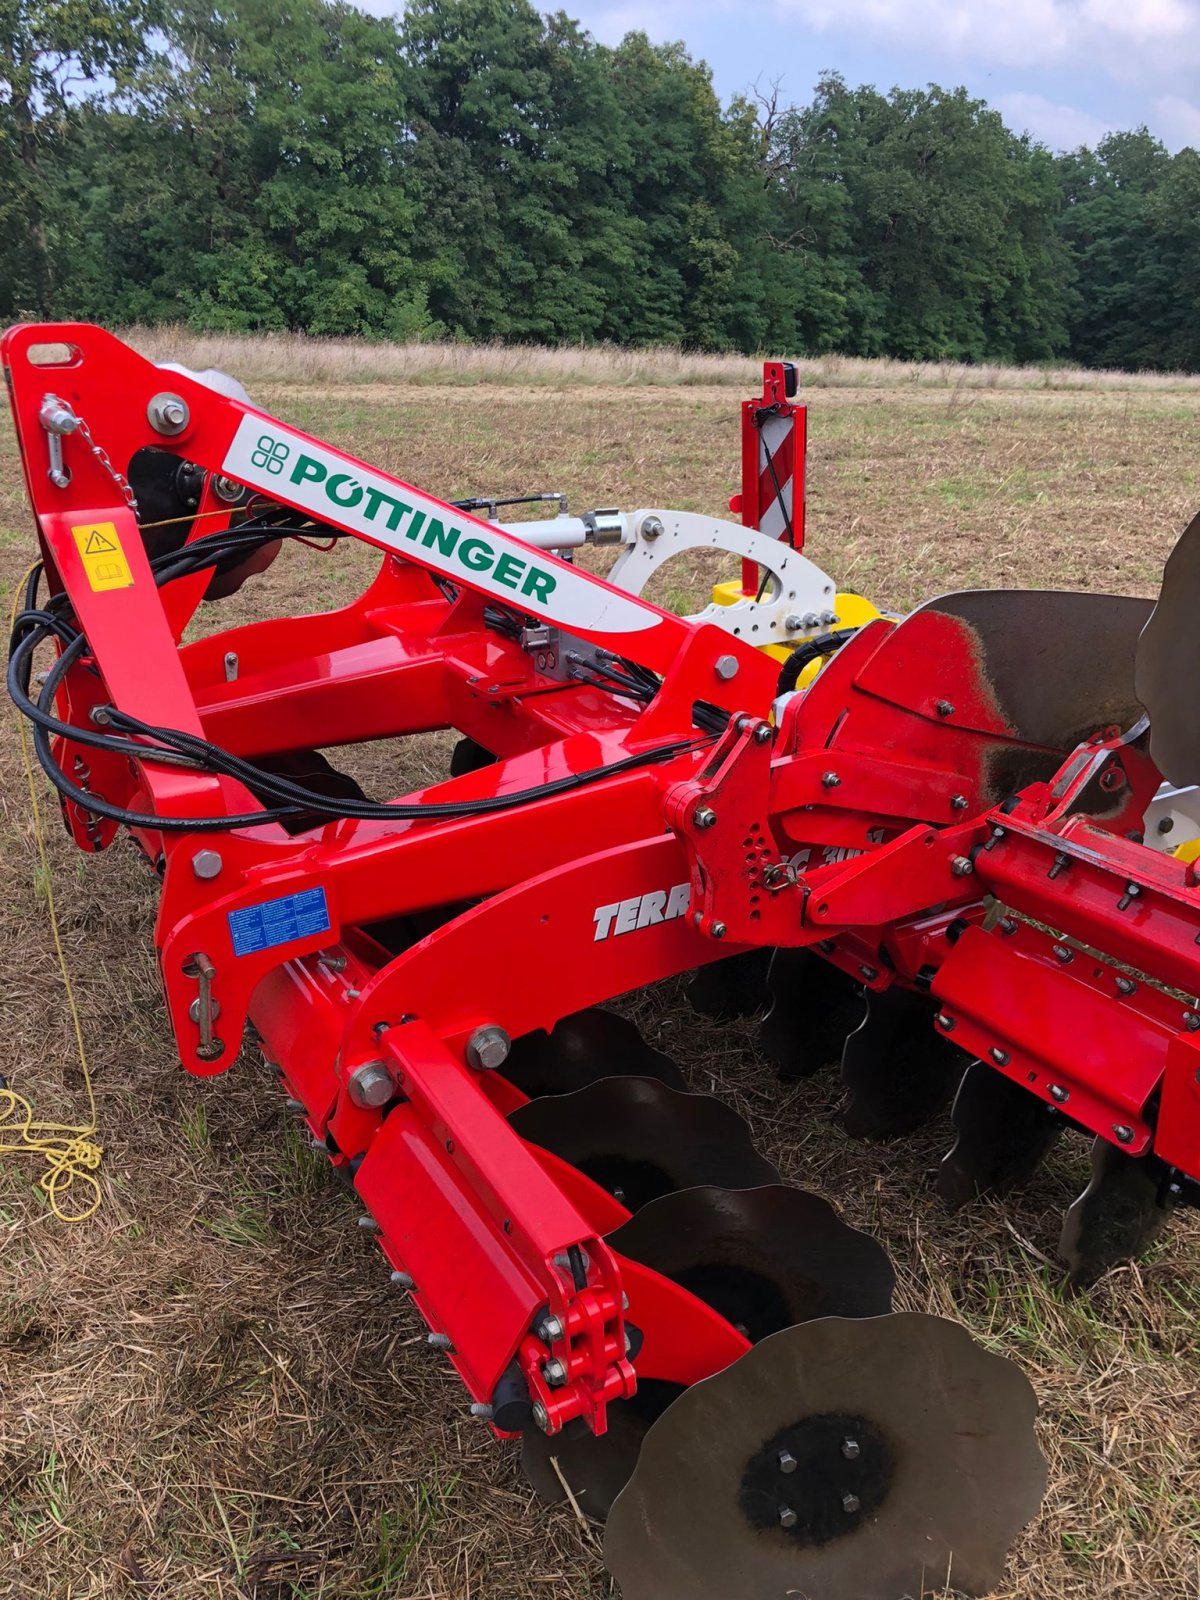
(639, 1139)
(765, 1259)
(841, 1460)
(580, 1049)
(898, 1070)
(813, 1006)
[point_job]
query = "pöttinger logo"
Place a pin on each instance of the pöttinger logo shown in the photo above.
(270, 453)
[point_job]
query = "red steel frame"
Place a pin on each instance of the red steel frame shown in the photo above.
(846, 828)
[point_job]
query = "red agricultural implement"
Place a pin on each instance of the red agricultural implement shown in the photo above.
(935, 825)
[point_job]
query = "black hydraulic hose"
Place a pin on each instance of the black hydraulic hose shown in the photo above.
(821, 644)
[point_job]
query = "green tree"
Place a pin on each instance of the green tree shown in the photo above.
(50, 50)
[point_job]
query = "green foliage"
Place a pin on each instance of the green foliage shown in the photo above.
(480, 170)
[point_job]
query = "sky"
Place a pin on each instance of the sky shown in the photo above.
(1066, 71)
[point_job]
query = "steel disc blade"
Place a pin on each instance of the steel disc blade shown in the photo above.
(595, 1469)
(1168, 656)
(900, 1072)
(639, 1139)
(764, 1258)
(1004, 1134)
(813, 1008)
(1116, 1217)
(943, 1474)
(580, 1049)
(732, 988)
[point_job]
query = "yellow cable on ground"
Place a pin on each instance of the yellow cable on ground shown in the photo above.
(71, 1154)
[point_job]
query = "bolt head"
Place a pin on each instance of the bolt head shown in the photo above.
(851, 1503)
(944, 708)
(554, 1372)
(550, 1330)
(541, 1416)
(763, 733)
(402, 1280)
(440, 1341)
(207, 863)
(704, 817)
(961, 866)
(1122, 1133)
(830, 780)
(726, 667)
(168, 413)
(371, 1085)
(718, 930)
(787, 1517)
(488, 1048)
(1000, 1057)
(1059, 1093)
(227, 490)
(651, 527)
(851, 1449)
(787, 1461)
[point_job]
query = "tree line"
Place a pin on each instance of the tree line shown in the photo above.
(475, 169)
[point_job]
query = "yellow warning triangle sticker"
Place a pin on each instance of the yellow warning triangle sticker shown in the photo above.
(98, 545)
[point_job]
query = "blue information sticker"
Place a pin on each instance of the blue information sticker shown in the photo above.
(272, 922)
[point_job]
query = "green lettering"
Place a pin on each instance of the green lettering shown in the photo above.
(508, 570)
(351, 497)
(444, 538)
(377, 498)
(307, 470)
(539, 585)
(476, 554)
(414, 526)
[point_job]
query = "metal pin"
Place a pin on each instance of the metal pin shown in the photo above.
(368, 1224)
(440, 1341)
(403, 1280)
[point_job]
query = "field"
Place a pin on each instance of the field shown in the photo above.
(211, 1390)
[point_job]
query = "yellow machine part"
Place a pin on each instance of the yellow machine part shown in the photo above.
(1189, 850)
(852, 611)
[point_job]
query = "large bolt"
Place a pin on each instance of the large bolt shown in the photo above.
(206, 863)
(227, 490)
(554, 1372)
(851, 1503)
(787, 1461)
(851, 1449)
(168, 413)
(550, 1330)
(371, 1085)
(718, 930)
(726, 667)
(651, 527)
(483, 1411)
(488, 1048)
(961, 866)
(704, 817)
(787, 1517)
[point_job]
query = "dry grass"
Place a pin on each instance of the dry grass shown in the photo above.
(211, 1391)
(296, 358)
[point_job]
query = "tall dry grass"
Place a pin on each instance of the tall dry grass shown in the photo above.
(299, 358)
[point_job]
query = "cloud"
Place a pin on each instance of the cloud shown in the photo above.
(1133, 39)
(1061, 127)
(1177, 122)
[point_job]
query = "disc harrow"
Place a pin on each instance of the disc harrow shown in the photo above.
(899, 839)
